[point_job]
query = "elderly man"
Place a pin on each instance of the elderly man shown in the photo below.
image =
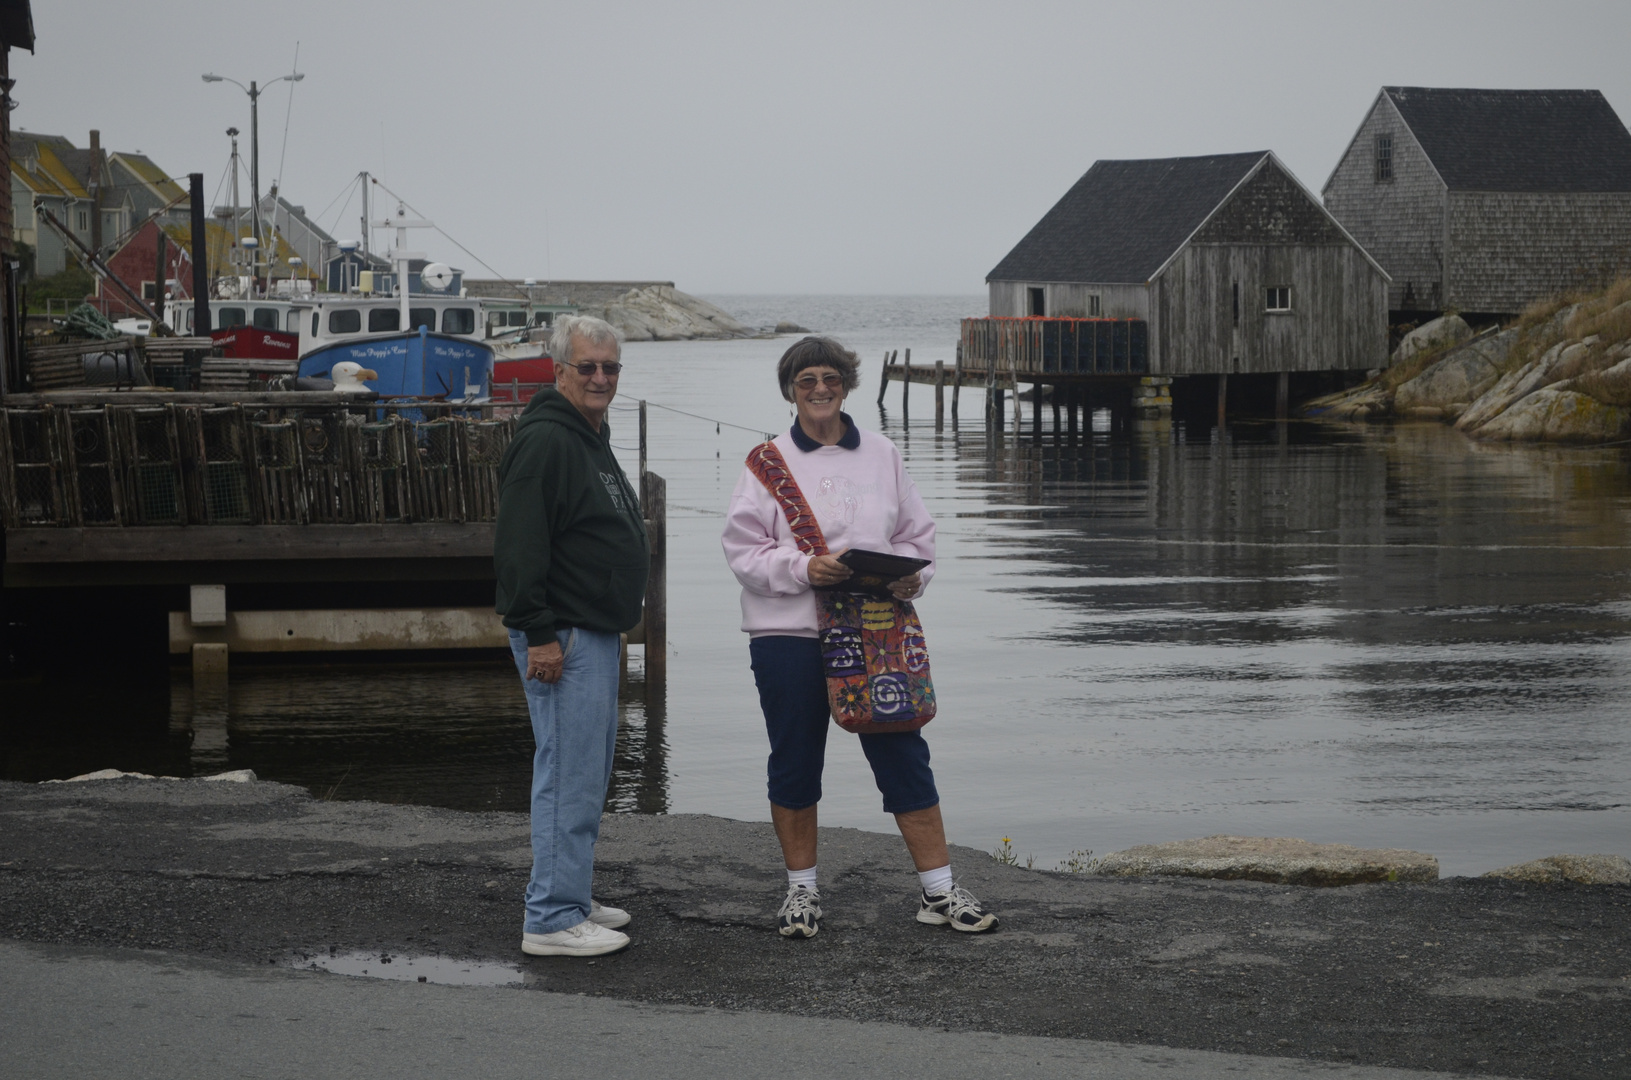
(571, 558)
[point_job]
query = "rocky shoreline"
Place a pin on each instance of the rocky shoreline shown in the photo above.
(1480, 975)
(1562, 373)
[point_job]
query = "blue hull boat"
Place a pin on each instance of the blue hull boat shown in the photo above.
(412, 365)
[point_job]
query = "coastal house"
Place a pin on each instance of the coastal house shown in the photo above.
(40, 178)
(1483, 201)
(100, 197)
(1230, 262)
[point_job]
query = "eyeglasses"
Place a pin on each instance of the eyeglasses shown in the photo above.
(587, 370)
(809, 382)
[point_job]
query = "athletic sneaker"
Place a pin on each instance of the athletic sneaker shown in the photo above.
(957, 907)
(588, 938)
(800, 915)
(606, 915)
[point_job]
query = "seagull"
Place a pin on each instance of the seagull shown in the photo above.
(348, 378)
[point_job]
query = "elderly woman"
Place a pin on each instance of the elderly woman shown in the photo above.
(857, 485)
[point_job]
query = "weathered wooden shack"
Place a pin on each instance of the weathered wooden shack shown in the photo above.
(1486, 200)
(1232, 264)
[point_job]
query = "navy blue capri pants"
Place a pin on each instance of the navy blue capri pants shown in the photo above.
(793, 695)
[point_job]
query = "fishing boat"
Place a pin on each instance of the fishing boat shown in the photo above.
(413, 364)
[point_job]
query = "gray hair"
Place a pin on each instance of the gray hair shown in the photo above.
(593, 330)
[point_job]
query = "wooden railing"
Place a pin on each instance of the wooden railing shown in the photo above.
(1041, 346)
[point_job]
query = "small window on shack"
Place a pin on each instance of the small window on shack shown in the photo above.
(459, 320)
(1278, 298)
(1384, 158)
(228, 317)
(266, 318)
(1093, 306)
(1036, 302)
(384, 320)
(344, 321)
(421, 316)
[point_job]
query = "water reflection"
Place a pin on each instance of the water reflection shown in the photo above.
(439, 735)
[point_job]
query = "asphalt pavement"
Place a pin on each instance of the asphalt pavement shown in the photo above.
(182, 929)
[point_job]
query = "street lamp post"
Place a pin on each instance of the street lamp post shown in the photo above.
(254, 92)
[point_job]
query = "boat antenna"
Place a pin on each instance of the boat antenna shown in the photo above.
(284, 154)
(520, 289)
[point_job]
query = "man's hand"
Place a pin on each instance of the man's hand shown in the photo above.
(825, 570)
(544, 662)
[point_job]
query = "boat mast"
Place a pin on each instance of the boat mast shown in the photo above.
(365, 228)
(400, 255)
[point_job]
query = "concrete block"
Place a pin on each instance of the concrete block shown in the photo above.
(209, 605)
(209, 658)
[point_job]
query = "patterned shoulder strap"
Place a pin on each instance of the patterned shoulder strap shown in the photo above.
(766, 462)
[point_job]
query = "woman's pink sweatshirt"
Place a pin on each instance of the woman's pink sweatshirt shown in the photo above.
(862, 498)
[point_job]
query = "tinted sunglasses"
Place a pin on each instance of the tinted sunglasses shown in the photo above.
(808, 382)
(587, 370)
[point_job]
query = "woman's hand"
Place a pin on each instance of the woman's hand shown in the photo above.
(907, 587)
(826, 570)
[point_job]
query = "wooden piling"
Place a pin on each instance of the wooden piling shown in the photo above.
(906, 386)
(654, 505)
(1282, 395)
(1036, 409)
(956, 382)
(883, 377)
(939, 394)
(1223, 399)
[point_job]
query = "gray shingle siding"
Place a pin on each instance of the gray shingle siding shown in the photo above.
(1509, 249)
(1499, 197)
(1399, 221)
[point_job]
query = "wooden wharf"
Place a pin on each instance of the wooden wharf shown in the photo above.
(187, 494)
(1074, 363)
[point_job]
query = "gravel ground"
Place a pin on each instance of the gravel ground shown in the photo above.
(1463, 975)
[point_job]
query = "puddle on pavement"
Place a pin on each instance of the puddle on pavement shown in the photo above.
(429, 969)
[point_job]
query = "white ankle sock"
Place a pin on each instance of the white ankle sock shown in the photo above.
(936, 881)
(807, 878)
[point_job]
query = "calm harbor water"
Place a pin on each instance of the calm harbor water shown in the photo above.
(1384, 636)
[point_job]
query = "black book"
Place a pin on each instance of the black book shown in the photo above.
(874, 570)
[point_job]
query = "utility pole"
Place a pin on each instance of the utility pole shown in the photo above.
(254, 91)
(201, 276)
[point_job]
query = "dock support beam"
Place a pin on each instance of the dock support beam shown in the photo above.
(1223, 399)
(1282, 395)
(654, 505)
(939, 394)
(906, 388)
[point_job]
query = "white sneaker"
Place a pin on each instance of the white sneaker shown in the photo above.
(606, 915)
(588, 938)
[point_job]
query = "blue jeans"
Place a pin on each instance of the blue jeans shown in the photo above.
(574, 722)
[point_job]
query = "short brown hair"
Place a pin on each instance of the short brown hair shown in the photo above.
(817, 352)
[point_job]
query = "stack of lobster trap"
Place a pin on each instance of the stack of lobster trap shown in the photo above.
(233, 464)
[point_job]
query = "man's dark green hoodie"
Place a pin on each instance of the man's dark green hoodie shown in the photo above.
(570, 547)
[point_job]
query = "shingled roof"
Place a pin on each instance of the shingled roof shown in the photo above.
(1518, 140)
(1123, 219)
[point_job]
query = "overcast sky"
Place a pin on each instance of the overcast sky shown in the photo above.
(818, 147)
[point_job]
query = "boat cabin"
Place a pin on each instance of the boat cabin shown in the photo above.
(327, 319)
